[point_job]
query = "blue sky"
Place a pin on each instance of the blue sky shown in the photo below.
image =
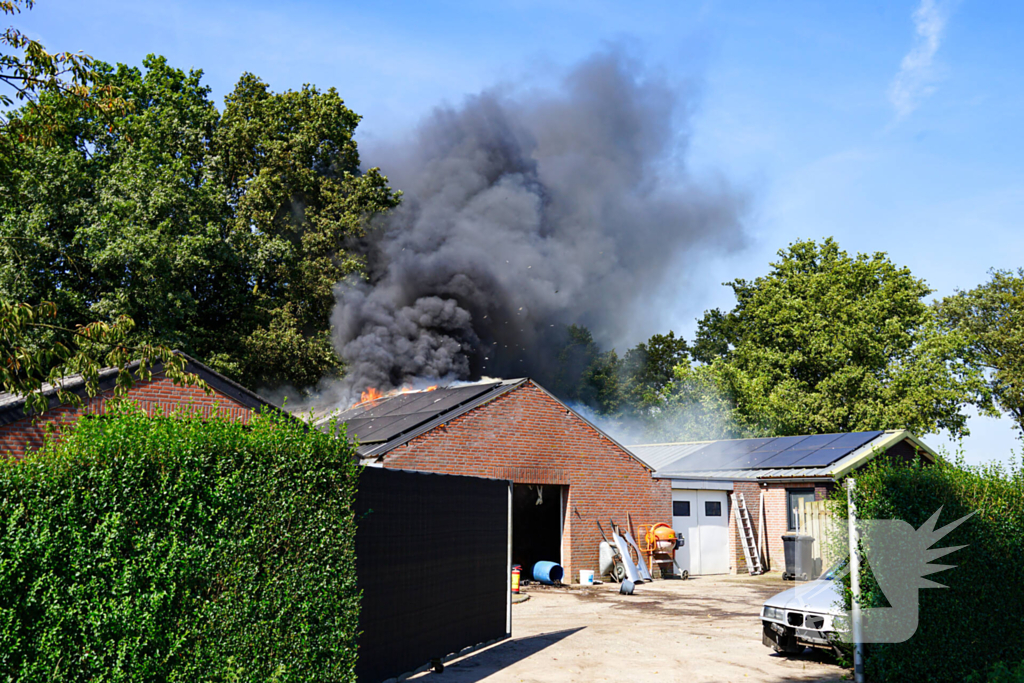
(892, 126)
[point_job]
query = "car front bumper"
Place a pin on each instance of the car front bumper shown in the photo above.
(785, 637)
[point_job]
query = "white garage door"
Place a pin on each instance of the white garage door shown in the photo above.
(702, 518)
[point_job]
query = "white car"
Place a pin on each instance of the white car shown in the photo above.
(808, 615)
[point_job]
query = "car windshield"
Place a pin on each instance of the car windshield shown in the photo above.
(836, 570)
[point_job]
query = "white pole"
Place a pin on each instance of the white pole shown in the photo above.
(858, 645)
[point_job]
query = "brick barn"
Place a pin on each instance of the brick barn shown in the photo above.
(566, 474)
(21, 433)
(771, 475)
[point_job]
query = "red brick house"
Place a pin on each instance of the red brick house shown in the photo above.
(771, 476)
(21, 432)
(566, 474)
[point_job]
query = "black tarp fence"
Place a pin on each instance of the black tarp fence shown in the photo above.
(432, 560)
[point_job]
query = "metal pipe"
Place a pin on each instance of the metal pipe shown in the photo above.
(858, 645)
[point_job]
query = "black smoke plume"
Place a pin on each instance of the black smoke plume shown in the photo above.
(523, 214)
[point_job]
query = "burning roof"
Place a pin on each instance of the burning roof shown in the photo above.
(382, 421)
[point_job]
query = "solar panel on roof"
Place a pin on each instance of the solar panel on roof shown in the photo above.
(386, 428)
(822, 457)
(837, 450)
(394, 415)
(781, 443)
(818, 450)
(787, 458)
(819, 440)
(742, 452)
(450, 399)
(416, 402)
(854, 440)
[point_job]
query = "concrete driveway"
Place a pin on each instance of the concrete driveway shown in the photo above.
(703, 629)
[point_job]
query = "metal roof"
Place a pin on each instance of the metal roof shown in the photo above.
(660, 454)
(823, 456)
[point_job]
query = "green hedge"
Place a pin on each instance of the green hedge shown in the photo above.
(979, 618)
(999, 673)
(177, 549)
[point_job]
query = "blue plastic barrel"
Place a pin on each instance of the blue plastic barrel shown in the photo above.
(547, 572)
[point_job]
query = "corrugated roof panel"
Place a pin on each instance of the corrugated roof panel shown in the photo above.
(657, 456)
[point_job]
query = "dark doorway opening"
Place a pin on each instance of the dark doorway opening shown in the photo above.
(536, 525)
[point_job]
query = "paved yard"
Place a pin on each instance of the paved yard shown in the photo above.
(703, 629)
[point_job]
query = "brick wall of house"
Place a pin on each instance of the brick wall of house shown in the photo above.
(528, 437)
(158, 394)
(776, 519)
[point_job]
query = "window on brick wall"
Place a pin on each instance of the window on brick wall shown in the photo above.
(680, 508)
(793, 498)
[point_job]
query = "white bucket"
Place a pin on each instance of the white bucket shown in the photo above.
(586, 577)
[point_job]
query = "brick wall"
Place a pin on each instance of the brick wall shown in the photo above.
(776, 519)
(158, 394)
(528, 437)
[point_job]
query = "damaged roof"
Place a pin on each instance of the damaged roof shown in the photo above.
(818, 456)
(388, 422)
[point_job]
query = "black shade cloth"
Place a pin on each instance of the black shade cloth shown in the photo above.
(432, 562)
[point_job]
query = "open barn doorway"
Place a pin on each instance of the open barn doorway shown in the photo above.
(537, 514)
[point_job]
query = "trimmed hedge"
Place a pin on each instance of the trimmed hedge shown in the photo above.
(979, 618)
(177, 549)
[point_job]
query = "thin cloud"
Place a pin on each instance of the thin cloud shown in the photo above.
(915, 80)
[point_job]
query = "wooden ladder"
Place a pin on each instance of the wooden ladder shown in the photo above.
(747, 531)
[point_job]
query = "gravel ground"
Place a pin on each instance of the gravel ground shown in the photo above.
(703, 629)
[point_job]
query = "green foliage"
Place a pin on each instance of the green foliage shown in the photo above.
(979, 618)
(26, 368)
(693, 407)
(176, 549)
(648, 367)
(586, 375)
(220, 234)
(827, 342)
(28, 70)
(992, 317)
(999, 673)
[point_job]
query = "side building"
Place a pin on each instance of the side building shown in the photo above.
(771, 476)
(22, 432)
(566, 474)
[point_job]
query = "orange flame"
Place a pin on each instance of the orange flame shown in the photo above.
(372, 395)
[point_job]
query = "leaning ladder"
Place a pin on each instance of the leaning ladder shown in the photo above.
(749, 540)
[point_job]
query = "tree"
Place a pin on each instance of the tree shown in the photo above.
(992, 316)
(693, 407)
(221, 234)
(26, 367)
(648, 367)
(831, 343)
(586, 375)
(35, 348)
(30, 70)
